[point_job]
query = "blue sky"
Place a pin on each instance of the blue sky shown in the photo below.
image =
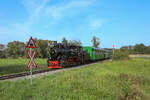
(119, 22)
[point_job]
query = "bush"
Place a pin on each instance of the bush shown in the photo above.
(120, 55)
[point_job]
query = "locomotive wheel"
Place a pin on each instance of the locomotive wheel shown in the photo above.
(62, 63)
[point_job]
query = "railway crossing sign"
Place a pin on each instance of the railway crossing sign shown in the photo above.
(31, 62)
(31, 45)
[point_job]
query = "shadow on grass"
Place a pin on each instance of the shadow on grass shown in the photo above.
(10, 69)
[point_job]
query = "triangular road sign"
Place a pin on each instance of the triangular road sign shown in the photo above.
(31, 43)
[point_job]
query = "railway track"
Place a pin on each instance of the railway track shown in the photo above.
(11, 76)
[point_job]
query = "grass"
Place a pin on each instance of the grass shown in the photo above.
(110, 80)
(140, 56)
(10, 66)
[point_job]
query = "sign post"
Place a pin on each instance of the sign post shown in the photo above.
(31, 45)
(31, 67)
(113, 49)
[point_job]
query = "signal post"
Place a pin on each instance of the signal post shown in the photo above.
(113, 49)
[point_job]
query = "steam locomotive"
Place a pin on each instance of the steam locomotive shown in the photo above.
(65, 55)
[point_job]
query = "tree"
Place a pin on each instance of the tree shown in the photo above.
(42, 48)
(95, 41)
(124, 48)
(2, 51)
(140, 48)
(64, 41)
(2, 46)
(16, 49)
(127, 48)
(136, 49)
(148, 50)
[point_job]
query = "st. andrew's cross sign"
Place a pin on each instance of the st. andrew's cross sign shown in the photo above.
(31, 44)
(31, 61)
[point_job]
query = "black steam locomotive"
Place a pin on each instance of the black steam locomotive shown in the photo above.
(64, 55)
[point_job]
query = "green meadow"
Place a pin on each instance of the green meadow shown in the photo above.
(11, 66)
(108, 80)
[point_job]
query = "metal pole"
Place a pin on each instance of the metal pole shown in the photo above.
(31, 67)
(113, 50)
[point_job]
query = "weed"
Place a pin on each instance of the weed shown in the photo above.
(129, 88)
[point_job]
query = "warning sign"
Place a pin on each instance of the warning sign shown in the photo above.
(31, 62)
(31, 43)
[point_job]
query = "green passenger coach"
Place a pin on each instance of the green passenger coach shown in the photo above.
(108, 54)
(95, 53)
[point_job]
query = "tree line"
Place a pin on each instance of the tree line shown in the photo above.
(136, 49)
(18, 49)
(124, 52)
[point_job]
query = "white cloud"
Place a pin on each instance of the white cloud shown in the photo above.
(91, 23)
(63, 9)
(34, 7)
(95, 24)
(15, 32)
(38, 10)
(21, 30)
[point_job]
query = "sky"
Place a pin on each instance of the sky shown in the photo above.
(119, 22)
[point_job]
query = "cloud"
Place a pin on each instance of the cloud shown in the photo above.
(14, 32)
(95, 24)
(63, 9)
(34, 8)
(44, 13)
(22, 30)
(91, 23)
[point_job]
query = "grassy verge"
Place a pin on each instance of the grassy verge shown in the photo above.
(113, 80)
(140, 56)
(10, 66)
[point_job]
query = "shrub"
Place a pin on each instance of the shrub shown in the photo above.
(120, 55)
